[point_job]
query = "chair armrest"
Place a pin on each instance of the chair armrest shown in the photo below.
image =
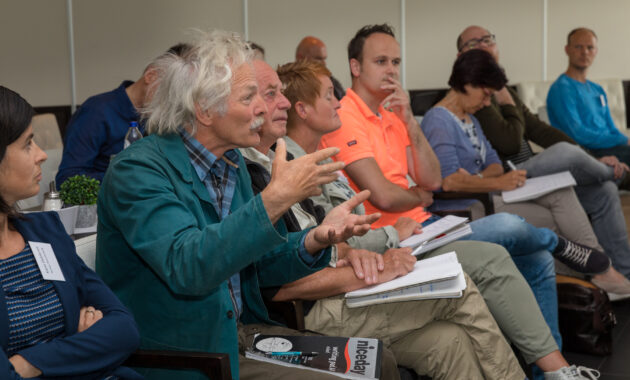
(214, 366)
(484, 198)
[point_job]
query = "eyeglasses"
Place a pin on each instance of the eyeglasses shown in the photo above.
(474, 43)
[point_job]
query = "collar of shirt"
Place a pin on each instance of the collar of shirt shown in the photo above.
(218, 175)
(383, 117)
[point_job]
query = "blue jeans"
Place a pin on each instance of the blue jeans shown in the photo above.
(597, 194)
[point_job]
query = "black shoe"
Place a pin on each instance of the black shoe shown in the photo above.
(580, 257)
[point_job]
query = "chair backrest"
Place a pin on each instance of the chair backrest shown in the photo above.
(86, 249)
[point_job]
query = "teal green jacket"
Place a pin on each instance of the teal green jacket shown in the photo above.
(163, 250)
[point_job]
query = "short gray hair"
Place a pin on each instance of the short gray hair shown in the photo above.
(202, 76)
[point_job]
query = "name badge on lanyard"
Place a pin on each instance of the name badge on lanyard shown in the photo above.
(46, 261)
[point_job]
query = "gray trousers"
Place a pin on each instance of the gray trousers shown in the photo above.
(596, 192)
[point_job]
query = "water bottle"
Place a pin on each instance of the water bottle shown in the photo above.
(133, 134)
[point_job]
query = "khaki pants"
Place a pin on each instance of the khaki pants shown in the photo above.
(253, 369)
(560, 211)
(444, 338)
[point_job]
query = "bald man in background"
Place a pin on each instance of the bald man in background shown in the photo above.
(314, 49)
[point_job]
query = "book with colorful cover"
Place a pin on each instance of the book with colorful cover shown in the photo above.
(349, 358)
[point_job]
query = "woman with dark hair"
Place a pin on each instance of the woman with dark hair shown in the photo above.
(57, 318)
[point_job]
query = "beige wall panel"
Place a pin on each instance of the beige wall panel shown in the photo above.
(433, 27)
(115, 39)
(279, 25)
(608, 18)
(34, 45)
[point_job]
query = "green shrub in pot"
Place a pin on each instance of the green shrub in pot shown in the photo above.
(79, 190)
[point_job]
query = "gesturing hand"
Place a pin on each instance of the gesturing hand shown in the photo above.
(296, 180)
(340, 224)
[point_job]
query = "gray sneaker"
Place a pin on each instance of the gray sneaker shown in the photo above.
(573, 373)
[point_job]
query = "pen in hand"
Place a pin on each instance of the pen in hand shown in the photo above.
(511, 165)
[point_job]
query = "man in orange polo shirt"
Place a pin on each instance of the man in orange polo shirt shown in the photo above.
(380, 148)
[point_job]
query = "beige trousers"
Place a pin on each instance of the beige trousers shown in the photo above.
(444, 338)
(560, 211)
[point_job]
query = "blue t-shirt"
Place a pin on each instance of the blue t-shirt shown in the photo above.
(581, 111)
(95, 133)
(452, 143)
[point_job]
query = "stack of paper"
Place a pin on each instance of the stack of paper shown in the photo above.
(538, 186)
(437, 277)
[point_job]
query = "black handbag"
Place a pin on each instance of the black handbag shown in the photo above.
(586, 317)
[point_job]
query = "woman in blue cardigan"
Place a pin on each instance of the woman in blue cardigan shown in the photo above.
(57, 318)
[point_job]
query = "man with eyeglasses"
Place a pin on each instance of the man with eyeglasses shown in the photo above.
(508, 124)
(579, 107)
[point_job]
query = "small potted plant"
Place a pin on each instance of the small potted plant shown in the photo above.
(81, 191)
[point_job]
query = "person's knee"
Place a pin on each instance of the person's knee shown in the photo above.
(505, 224)
(441, 350)
(480, 255)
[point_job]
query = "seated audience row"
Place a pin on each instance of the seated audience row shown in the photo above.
(204, 218)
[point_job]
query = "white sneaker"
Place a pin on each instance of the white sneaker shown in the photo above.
(573, 373)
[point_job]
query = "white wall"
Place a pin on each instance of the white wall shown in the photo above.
(115, 39)
(34, 46)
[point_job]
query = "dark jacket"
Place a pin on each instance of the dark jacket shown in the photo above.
(93, 353)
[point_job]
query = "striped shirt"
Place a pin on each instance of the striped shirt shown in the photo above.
(34, 310)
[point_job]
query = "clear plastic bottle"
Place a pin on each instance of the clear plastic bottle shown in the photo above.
(133, 134)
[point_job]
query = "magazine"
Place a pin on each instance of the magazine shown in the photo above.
(349, 358)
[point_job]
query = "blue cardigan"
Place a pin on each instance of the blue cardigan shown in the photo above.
(93, 353)
(454, 150)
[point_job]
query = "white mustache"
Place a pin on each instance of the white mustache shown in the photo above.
(257, 122)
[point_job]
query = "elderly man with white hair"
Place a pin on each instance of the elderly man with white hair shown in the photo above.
(183, 241)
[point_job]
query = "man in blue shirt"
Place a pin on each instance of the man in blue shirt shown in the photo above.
(579, 107)
(97, 130)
